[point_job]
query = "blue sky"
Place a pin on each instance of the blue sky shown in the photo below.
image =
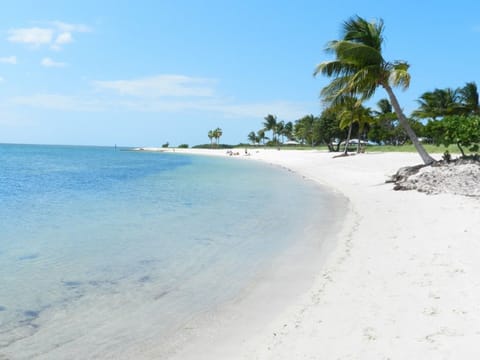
(140, 73)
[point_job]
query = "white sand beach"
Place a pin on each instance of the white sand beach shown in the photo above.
(402, 282)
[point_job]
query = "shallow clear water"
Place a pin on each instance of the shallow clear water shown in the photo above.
(110, 248)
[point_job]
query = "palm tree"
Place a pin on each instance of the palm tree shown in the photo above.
(304, 129)
(384, 122)
(384, 107)
(469, 98)
(261, 136)
(359, 68)
(364, 117)
(252, 137)
(280, 128)
(217, 134)
(288, 130)
(352, 111)
(211, 136)
(438, 103)
(270, 123)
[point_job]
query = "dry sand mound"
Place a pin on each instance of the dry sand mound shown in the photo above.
(460, 177)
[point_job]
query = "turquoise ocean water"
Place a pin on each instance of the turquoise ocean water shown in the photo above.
(103, 249)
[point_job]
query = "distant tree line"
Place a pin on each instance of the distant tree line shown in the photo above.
(444, 116)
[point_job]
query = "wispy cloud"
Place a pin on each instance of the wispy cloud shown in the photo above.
(66, 27)
(226, 108)
(229, 109)
(8, 60)
(55, 35)
(165, 94)
(33, 36)
(62, 39)
(180, 93)
(58, 102)
(160, 86)
(47, 62)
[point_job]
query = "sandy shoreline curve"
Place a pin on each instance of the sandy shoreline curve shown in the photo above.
(402, 283)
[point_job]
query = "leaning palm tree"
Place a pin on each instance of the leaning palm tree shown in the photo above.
(359, 68)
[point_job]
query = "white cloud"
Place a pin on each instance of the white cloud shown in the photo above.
(34, 36)
(64, 38)
(55, 34)
(47, 62)
(160, 86)
(9, 60)
(65, 27)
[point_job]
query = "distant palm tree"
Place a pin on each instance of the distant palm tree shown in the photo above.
(469, 99)
(252, 137)
(352, 111)
(211, 136)
(288, 130)
(280, 128)
(261, 136)
(384, 123)
(304, 129)
(359, 69)
(270, 123)
(217, 134)
(438, 103)
(384, 107)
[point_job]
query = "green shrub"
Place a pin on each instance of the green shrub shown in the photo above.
(463, 131)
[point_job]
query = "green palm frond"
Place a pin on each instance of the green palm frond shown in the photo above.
(359, 53)
(338, 87)
(399, 75)
(359, 67)
(335, 68)
(359, 30)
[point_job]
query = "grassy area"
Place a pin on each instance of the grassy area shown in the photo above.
(380, 148)
(434, 149)
(286, 147)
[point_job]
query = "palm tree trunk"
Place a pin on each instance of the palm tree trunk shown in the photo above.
(348, 139)
(427, 159)
(360, 132)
